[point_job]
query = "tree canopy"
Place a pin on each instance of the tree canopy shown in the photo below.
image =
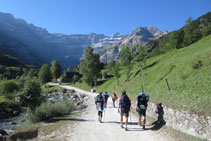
(55, 69)
(44, 75)
(90, 66)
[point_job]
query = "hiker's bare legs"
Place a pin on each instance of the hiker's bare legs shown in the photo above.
(121, 119)
(144, 118)
(126, 121)
(139, 120)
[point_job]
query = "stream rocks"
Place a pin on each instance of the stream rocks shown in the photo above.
(76, 97)
(3, 135)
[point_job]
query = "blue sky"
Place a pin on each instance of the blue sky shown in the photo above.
(105, 16)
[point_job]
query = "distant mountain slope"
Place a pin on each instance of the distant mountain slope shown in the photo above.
(187, 35)
(11, 67)
(10, 61)
(34, 45)
(141, 35)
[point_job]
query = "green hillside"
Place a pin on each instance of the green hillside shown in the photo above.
(187, 35)
(188, 71)
(11, 67)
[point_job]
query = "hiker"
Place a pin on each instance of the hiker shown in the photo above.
(124, 108)
(106, 95)
(99, 102)
(141, 106)
(114, 98)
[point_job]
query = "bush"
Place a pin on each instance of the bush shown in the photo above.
(47, 110)
(198, 65)
(9, 87)
(31, 94)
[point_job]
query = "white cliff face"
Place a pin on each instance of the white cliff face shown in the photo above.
(140, 35)
(107, 41)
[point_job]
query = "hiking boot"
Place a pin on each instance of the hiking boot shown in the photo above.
(125, 128)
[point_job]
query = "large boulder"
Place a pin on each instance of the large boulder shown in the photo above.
(25, 134)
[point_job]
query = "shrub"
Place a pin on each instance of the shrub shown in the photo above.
(198, 65)
(9, 87)
(31, 94)
(48, 110)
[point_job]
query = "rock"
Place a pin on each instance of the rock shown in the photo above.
(75, 96)
(3, 132)
(24, 134)
(13, 123)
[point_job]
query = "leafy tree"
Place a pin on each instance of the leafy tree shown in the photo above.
(192, 34)
(31, 73)
(189, 20)
(31, 94)
(55, 69)
(76, 68)
(69, 69)
(206, 31)
(140, 58)
(90, 66)
(126, 58)
(113, 67)
(75, 78)
(44, 75)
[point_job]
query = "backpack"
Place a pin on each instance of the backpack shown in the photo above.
(125, 103)
(114, 97)
(142, 101)
(99, 99)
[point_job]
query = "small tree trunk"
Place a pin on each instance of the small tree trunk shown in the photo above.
(142, 75)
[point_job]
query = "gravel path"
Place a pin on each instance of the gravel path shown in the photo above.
(88, 128)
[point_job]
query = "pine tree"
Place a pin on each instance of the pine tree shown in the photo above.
(69, 69)
(90, 66)
(44, 75)
(55, 69)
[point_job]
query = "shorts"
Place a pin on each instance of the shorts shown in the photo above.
(100, 113)
(124, 113)
(142, 112)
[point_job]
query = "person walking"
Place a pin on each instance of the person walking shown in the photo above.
(114, 98)
(141, 106)
(106, 95)
(124, 108)
(99, 102)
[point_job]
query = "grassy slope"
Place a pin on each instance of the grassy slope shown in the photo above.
(190, 88)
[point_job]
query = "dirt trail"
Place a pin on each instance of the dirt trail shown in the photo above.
(88, 128)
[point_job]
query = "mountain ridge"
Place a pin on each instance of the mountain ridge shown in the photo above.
(35, 45)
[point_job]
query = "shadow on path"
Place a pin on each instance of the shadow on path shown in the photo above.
(70, 119)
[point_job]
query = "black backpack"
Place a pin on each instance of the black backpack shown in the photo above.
(142, 100)
(125, 103)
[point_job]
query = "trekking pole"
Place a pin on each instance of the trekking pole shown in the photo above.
(130, 115)
(104, 114)
(130, 118)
